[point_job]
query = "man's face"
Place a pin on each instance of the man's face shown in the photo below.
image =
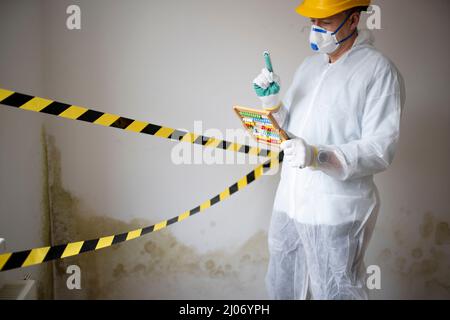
(333, 22)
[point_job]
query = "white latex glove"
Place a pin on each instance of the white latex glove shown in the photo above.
(297, 153)
(264, 80)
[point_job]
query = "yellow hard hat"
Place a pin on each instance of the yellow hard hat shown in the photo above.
(326, 8)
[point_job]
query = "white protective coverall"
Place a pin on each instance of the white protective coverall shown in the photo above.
(323, 217)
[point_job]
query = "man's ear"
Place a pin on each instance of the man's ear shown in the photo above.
(355, 20)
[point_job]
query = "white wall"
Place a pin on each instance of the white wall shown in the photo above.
(172, 62)
(22, 210)
(412, 239)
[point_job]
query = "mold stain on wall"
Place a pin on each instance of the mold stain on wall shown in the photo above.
(45, 278)
(420, 260)
(156, 266)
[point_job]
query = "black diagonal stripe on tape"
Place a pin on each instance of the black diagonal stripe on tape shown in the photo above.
(55, 108)
(16, 260)
(224, 145)
(90, 116)
(233, 188)
(215, 200)
(151, 129)
(251, 177)
(266, 166)
(195, 210)
(17, 99)
(89, 245)
(177, 135)
(55, 252)
(120, 238)
(202, 140)
(172, 221)
(147, 230)
(122, 123)
(244, 149)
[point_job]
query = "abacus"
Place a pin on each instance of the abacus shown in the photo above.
(261, 125)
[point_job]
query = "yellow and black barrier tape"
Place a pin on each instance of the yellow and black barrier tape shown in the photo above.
(26, 258)
(73, 112)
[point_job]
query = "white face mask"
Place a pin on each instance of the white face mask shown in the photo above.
(325, 41)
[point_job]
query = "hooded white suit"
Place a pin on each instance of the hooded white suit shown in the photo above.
(323, 217)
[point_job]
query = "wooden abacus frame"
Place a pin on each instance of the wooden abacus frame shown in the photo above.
(265, 113)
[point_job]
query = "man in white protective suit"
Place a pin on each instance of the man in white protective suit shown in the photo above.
(342, 113)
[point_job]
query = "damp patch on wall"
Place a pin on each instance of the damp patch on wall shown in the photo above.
(45, 278)
(157, 266)
(418, 260)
